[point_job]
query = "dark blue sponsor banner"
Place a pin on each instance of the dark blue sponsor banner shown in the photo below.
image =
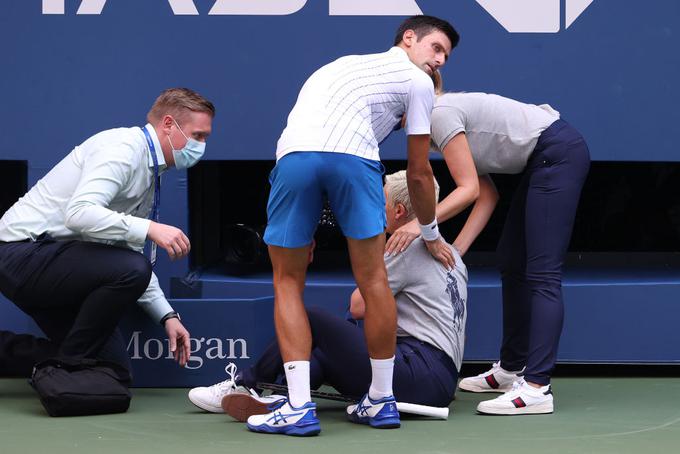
(222, 331)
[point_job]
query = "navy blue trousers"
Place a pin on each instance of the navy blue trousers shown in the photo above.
(76, 292)
(532, 249)
(423, 374)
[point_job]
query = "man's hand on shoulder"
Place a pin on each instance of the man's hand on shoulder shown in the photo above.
(170, 238)
(441, 251)
(179, 340)
(402, 238)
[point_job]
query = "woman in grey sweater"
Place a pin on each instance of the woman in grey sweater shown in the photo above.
(479, 134)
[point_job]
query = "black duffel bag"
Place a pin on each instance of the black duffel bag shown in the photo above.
(78, 387)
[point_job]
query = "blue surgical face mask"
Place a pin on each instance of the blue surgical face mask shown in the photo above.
(190, 154)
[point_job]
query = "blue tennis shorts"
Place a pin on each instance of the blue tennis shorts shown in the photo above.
(302, 180)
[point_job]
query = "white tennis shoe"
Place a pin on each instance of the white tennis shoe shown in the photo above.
(495, 380)
(522, 399)
(287, 420)
(380, 413)
(209, 398)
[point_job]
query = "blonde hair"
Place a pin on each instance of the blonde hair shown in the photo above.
(438, 82)
(396, 187)
(176, 102)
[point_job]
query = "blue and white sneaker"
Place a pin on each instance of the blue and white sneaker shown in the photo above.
(381, 413)
(288, 420)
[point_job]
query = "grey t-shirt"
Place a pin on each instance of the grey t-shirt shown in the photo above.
(431, 301)
(501, 132)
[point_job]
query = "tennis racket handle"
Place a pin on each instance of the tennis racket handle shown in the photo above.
(424, 410)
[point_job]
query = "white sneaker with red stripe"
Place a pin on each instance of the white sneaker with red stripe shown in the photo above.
(522, 399)
(495, 380)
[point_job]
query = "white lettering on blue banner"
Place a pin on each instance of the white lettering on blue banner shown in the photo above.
(201, 349)
(516, 16)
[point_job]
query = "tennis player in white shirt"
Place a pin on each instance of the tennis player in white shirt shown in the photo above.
(330, 150)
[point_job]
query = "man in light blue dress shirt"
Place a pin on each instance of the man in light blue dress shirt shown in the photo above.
(71, 249)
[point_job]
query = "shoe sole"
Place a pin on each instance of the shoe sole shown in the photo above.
(304, 431)
(243, 406)
(385, 423)
(477, 389)
(541, 409)
(390, 423)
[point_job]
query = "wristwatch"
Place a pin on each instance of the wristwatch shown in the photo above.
(168, 316)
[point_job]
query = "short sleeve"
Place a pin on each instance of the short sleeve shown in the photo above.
(447, 122)
(419, 108)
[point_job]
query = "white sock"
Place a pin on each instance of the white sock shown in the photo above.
(381, 383)
(297, 376)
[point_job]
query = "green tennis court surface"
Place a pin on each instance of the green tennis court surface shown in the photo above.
(593, 415)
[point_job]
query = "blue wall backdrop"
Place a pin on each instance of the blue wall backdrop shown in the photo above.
(613, 72)
(71, 68)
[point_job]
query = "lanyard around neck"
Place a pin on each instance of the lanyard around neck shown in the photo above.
(157, 179)
(155, 215)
